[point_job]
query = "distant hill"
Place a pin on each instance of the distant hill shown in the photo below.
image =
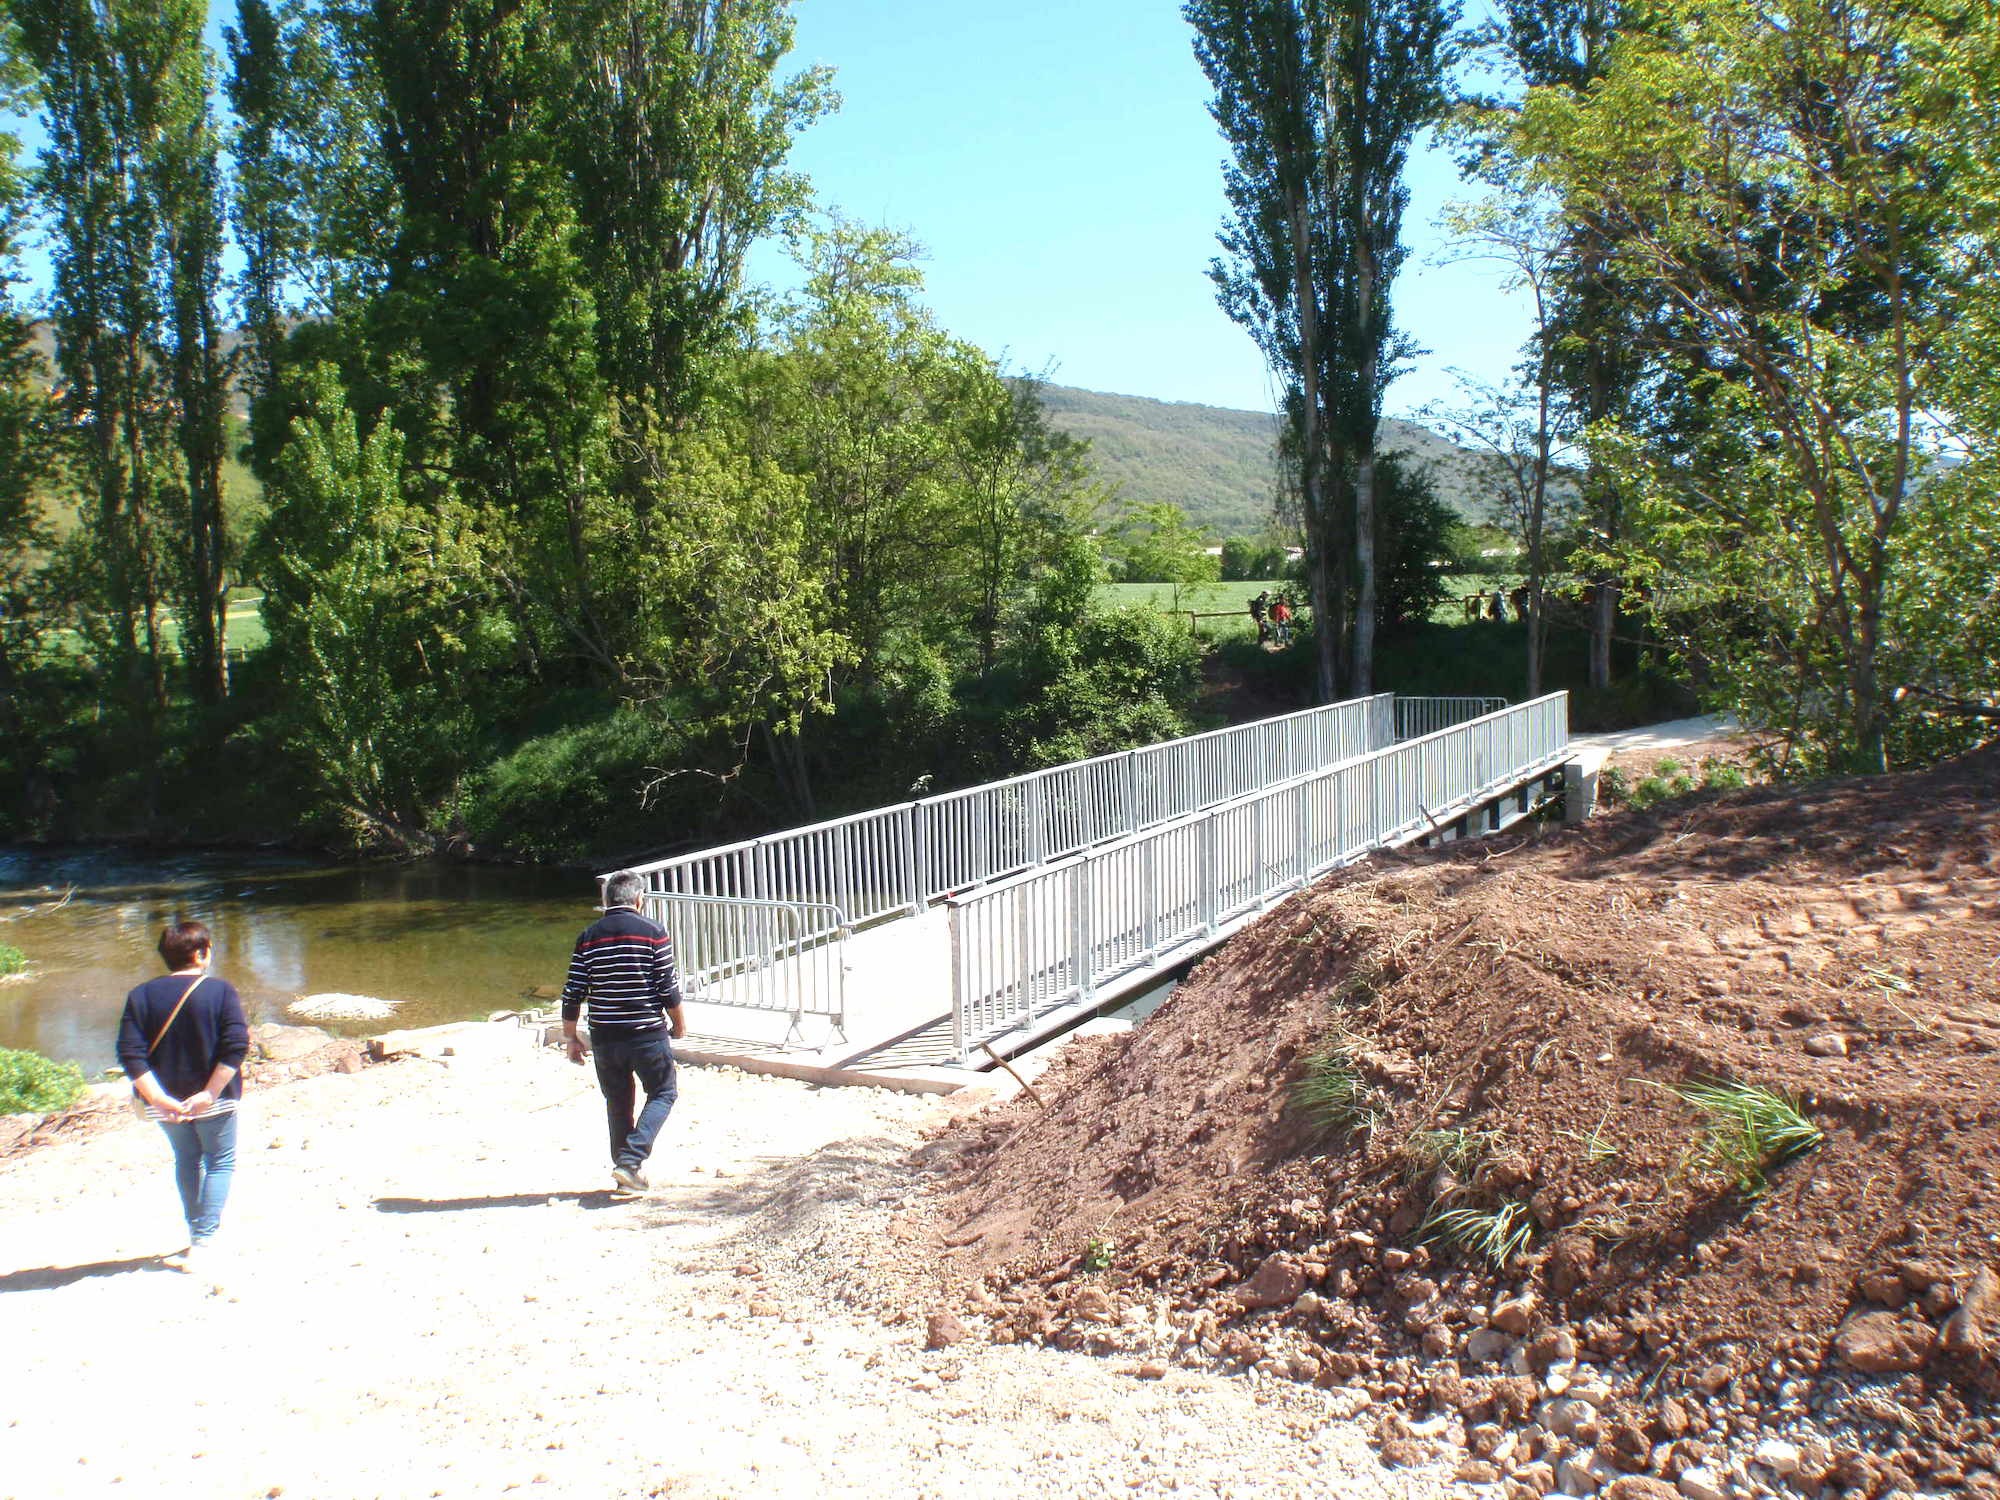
(1218, 464)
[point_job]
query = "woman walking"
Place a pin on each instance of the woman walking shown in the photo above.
(182, 1043)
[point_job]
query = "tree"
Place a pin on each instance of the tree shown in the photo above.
(371, 604)
(1025, 487)
(1792, 185)
(674, 124)
(1518, 429)
(1157, 543)
(1385, 81)
(31, 436)
(1589, 320)
(129, 177)
(189, 191)
(1245, 559)
(313, 203)
(1319, 101)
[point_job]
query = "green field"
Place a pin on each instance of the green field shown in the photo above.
(1229, 601)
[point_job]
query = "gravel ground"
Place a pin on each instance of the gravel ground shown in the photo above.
(429, 1291)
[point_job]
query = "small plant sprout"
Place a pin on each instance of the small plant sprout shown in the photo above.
(1099, 1253)
(1360, 984)
(1598, 1146)
(1750, 1130)
(1496, 1234)
(12, 960)
(1331, 1093)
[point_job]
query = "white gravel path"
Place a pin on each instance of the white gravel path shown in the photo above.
(433, 1295)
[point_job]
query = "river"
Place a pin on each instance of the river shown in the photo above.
(447, 942)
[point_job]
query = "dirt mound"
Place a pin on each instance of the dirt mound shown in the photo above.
(1505, 1209)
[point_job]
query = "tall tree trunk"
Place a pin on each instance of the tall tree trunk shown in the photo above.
(1312, 454)
(1365, 609)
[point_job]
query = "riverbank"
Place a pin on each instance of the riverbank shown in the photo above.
(442, 941)
(431, 1292)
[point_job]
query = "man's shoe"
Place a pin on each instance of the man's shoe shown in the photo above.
(629, 1178)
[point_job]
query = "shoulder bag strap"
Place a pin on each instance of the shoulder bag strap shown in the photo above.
(173, 1015)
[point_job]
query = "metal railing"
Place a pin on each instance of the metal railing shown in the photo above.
(900, 859)
(1416, 717)
(786, 957)
(1048, 938)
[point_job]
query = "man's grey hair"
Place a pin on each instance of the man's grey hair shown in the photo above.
(623, 889)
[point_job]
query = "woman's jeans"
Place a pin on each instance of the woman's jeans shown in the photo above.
(204, 1162)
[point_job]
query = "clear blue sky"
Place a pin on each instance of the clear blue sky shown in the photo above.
(1059, 163)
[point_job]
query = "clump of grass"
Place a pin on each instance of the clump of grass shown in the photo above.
(1332, 1094)
(1461, 1149)
(12, 960)
(1671, 779)
(1360, 984)
(1496, 1234)
(1750, 1130)
(32, 1084)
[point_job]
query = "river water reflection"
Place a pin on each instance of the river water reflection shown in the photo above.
(446, 941)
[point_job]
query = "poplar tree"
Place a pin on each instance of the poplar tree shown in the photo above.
(129, 179)
(1320, 101)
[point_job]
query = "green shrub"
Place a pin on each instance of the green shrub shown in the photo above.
(12, 960)
(563, 794)
(32, 1084)
(1721, 776)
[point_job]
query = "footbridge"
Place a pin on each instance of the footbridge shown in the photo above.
(948, 931)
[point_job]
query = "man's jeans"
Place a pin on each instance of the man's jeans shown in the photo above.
(204, 1163)
(619, 1058)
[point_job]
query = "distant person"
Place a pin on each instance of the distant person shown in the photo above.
(182, 1041)
(1519, 599)
(1496, 607)
(623, 968)
(1281, 619)
(1473, 603)
(1259, 607)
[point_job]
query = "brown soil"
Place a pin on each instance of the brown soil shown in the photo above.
(1548, 990)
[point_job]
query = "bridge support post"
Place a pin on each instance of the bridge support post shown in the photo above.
(1580, 773)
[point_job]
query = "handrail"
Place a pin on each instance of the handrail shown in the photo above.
(1048, 937)
(901, 858)
(755, 954)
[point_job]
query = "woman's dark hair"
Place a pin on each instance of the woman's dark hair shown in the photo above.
(182, 941)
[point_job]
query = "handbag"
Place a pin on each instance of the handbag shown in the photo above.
(139, 1105)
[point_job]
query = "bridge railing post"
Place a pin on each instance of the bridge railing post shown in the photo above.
(1209, 874)
(916, 866)
(1079, 928)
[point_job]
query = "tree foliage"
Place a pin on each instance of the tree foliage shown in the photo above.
(1789, 183)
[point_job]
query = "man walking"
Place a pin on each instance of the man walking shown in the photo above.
(623, 967)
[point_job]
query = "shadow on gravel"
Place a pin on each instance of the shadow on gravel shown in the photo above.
(45, 1277)
(599, 1198)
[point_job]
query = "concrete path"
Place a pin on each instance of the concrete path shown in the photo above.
(1671, 735)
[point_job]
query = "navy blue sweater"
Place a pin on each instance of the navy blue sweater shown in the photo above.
(623, 966)
(210, 1029)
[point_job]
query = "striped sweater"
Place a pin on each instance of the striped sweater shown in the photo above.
(623, 967)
